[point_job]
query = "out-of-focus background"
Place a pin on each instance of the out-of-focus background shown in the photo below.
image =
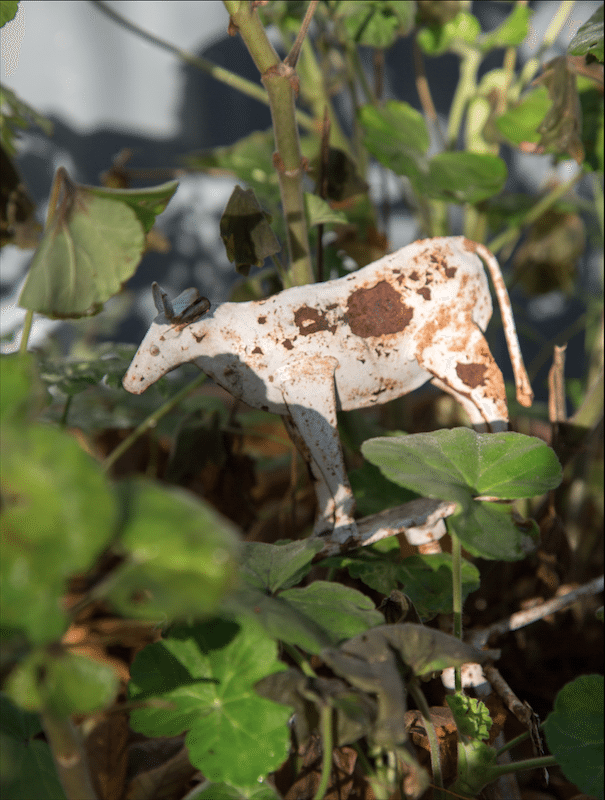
(106, 89)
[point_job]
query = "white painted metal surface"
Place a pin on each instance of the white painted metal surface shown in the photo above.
(413, 316)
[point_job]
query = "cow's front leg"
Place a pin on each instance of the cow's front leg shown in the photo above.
(308, 390)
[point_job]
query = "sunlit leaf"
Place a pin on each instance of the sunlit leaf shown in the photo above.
(234, 736)
(90, 247)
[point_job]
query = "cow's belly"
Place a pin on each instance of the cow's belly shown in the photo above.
(361, 386)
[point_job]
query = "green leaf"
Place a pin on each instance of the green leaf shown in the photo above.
(15, 114)
(249, 159)
(471, 715)
(8, 11)
(509, 33)
(56, 518)
(488, 530)
(146, 203)
(28, 769)
(376, 24)
(222, 791)
(319, 212)
(17, 379)
(425, 579)
(574, 733)
(62, 682)
(90, 247)
(437, 39)
(464, 177)
(246, 232)
(459, 464)
(272, 567)
(589, 37)
(180, 555)
(340, 610)
(234, 735)
(373, 492)
(396, 135)
(521, 123)
(319, 615)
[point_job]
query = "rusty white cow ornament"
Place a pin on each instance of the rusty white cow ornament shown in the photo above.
(413, 316)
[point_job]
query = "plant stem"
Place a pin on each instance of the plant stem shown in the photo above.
(533, 64)
(27, 326)
(431, 735)
(69, 756)
(281, 83)
(467, 86)
(457, 597)
(510, 235)
(325, 724)
(151, 421)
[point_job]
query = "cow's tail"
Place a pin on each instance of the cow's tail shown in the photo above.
(525, 394)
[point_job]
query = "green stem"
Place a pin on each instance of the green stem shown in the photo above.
(151, 422)
(327, 743)
(27, 326)
(518, 766)
(510, 235)
(219, 73)
(522, 737)
(280, 82)
(431, 735)
(69, 756)
(457, 597)
(533, 64)
(300, 660)
(467, 86)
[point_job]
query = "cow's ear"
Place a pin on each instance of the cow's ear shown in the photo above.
(162, 303)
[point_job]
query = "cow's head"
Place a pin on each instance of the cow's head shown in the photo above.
(167, 341)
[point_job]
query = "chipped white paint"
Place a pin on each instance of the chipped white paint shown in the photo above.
(413, 316)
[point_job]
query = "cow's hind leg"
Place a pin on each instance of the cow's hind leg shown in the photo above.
(465, 368)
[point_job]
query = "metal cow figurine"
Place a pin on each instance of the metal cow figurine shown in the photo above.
(413, 316)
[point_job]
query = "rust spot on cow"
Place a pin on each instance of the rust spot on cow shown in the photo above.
(287, 343)
(258, 350)
(450, 272)
(377, 311)
(310, 320)
(197, 338)
(425, 292)
(262, 320)
(472, 375)
(414, 276)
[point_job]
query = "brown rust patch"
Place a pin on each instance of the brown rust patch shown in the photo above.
(424, 292)
(472, 375)
(310, 320)
(258, 350)
(377, 311)
(287, 343)
(262, 320)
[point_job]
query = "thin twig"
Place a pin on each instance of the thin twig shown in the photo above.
(292, 57)
(521, 619)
